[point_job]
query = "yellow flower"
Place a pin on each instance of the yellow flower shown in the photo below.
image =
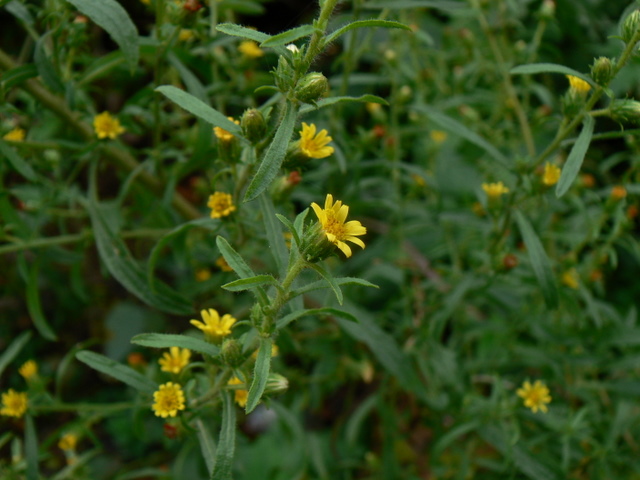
(250, 49)
(577, 85)
(68, 442)
(107, 126)
(28, 370)
(222, 264)
(185, 34)
(571, 279)
(551, 174)
(332, 219)
(618, 192)
(438, 136)
(373, 108)
(494, 190)
(240, 395)
(175, 359)
(312, 145)
(221, 204)
(14, 404)
(203, 274)
(15, 135)
(535, 396)
(222, 134)
(214, 327)
(169, 399)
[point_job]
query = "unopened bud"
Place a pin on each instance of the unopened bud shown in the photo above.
(276, 383)
(623, 111)
(602, 70)
(311, 88)
(253, 125)
(548, 9)
(284, 75)
(630, 26)
(231, 353)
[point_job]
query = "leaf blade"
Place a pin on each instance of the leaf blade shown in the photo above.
(260, 374)
(117, 370)
(576, 157)
(168, 340)
(223, 466)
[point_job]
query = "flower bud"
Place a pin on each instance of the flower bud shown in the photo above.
(253, 125)
(276, 383)
(312, 87)
(231, 353)
(284, 75)
(630, 26)
(548, 10)
(625, 111)
(602, 70)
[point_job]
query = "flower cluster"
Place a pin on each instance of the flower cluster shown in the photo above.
(14, 404)
(107, 126)
(535, 396)
(221, 204)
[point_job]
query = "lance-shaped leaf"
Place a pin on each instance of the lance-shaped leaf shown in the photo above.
(249, 283)
(533, 68)
(239, 266)
(364, 23)
(274, 232)
(325, 102)
(13, 349)
(242, 32)
(167, 340)
(31, 448)
(121, 372)
(576, 157)
(288, 36)
(260, 374)
(330, 280)
(35, 308)
(223, 467)
(17, 162)
(287, 319)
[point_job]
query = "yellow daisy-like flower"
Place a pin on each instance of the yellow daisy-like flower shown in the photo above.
(221, 204)
(571, 278)
(222, 134)
(250, 49)
(15, 135)
(28, 369)
(240, 395)
(312, 145)
(551, 174)
(175, 359)
(535, 396)
(214, 327)
(106, 125)
(332, 219)
(68, 442)
(222, 264)
(494, 190)
(169, 399)
(577, 85)
(14, 404)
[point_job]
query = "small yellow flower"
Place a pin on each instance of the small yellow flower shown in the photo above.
(535, 396)
(14, 404)
(618, 192)
(250, 49)
(494, 190)
(222, 134)
(221, 204)
(332, 219)
(312, 145)
(551, 174)
(214, 327)
(185, 34)
(240, 395)
(15, 135)
(222, 264)
(438, 136)
(175, 359)
(571, 279)
(68, 442)
(28, 370)
(107, 126)
(372, 107)
(169, 399)
(578, 86)
(203, 274)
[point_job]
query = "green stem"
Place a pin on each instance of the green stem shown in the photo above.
(321, 24)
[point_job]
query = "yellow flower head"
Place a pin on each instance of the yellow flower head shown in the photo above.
(203, 274)
(28, 370)
(438, 136)
(250, 49)
(175, 359)
(15, 135)
(332, 219)
(578, 86)
(107, 126)
(571, 279)
(214, 327)
(222, 134)
(68, 442)
(221, 204)
(551, 174)
(494, 190)
(240, 395)
(169, 398)
(222, 264)
(185, 34)
(535, 396)
(373, 108)
(618, 192)
(14, 404)
(312, 145)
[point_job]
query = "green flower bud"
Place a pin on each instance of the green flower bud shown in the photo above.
(253, 125)
(284, 75)
(231, 353)
(602, 70)
(276, 383)
(311, 88)
(625, 111)
(630, 26)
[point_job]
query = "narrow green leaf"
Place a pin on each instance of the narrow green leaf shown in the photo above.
(288, 37)
(193, 84)
(18, 75)
(111, 16)
(118, 371)
(539, 261)
(287, 319)
(35, 308)
(287, 223)
(339, 281)
(31, 448)
(243, 32)
(45, 67)
(200, 109)
(167, 340)
(13, 350)
(576, 157)
(260, 374)
(364, 23)
(20, 11)
(396, 4)
(456, 128)
(207, 444)
(330, 280)
(275, 235)
(325, 102)
(298, 223)
(533, 68)
(239, 266)
(248, 283)
(274, 157)
(17, 162)
(223, 468)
